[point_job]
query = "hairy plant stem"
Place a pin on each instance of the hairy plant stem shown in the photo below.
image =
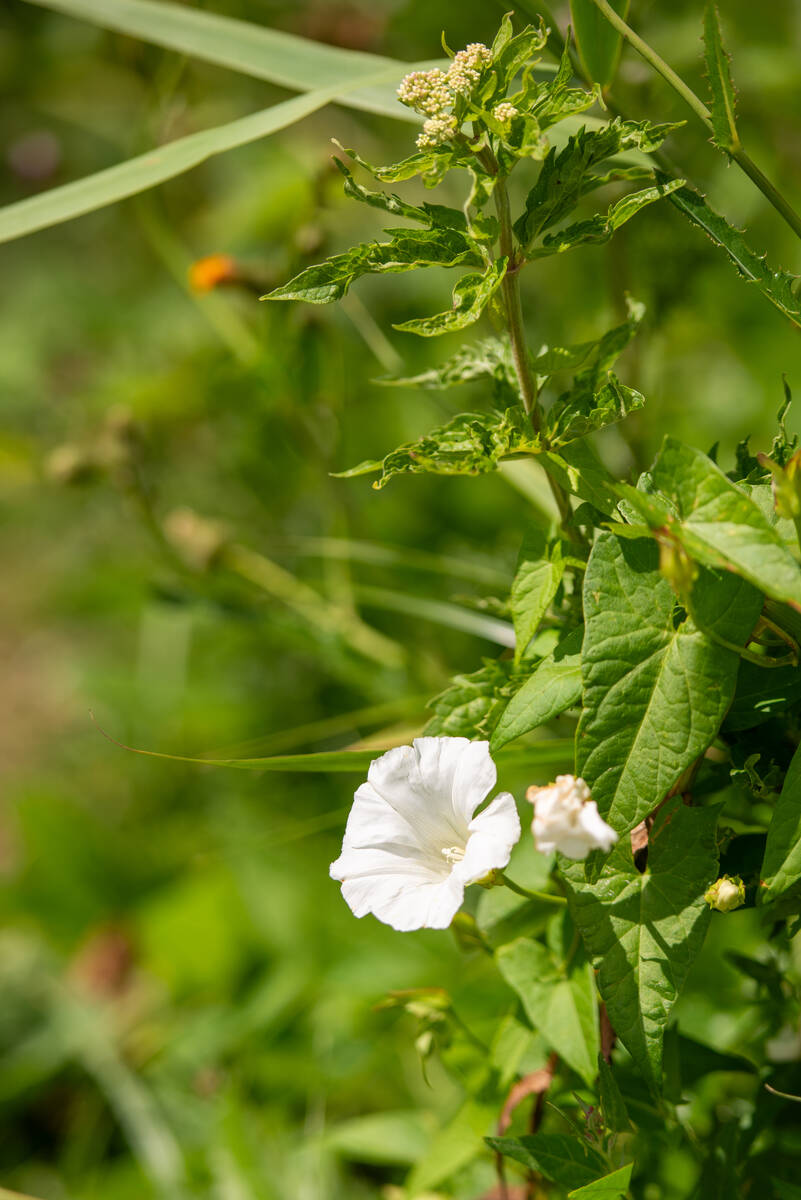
(510, 289)
(735, 151)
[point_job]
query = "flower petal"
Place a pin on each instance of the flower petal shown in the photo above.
(493, 833)
(406, 901)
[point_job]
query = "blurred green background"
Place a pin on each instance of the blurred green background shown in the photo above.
(188, 1006)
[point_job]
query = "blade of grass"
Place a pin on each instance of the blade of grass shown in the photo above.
(270, 54)
(146, 170)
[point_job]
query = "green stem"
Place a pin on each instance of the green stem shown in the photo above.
(530, 895)
(510, 289)
(735, 152)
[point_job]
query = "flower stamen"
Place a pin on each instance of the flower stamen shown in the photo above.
(452, 854)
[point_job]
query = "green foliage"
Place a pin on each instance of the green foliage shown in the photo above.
(566, 1160)
(540, 568)
(554, 686)
(598, 43)
(559, 1001)
(643, 929)
(656, 689)
(782, 864)
(718, 70)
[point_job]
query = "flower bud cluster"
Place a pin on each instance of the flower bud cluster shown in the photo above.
(504, 112)
(432, 93)
(437, 130)
(465, 70)
(426, 92)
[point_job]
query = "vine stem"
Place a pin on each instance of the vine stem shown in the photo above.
(529, 895)
(735, 151)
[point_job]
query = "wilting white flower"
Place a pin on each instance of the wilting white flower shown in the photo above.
(413, 843)
(567, 819)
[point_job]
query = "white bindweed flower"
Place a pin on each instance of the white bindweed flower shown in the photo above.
(567, 819)
(413, 843)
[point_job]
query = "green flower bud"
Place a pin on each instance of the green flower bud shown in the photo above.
(726, 893)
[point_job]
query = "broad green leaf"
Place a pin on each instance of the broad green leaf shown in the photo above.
(715, 521)
(560, 1157)
(408, 249)
(613, 1106)
(718, 73)
(587, 407)
(599, 44)
(561, 1005)
(600, 229)
(776, 286)
(540, 567)
(554, 687)
(644, 930)
(471, 295)
(611, 1187)
(154, 167)
(281, 58)
(471, 704)
(781, 867)
(655, 692)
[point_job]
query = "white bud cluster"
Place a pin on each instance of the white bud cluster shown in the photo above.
(437, 130)
(426, 92)
(465, 70)
(504, 112)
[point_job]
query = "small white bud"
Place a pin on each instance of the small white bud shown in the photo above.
(504, 112)
(726, 893)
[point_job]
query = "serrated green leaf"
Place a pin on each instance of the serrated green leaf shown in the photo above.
(599, 44)
(471, 704)
(613, 1106)
(776, 286)
(566, 174)
(471, 444)
(718, 72)
(644, 930)
(407, 250)
(655, 692)
(540, 567)
(715, 521)
(554, 687)
(589, 406)
(600, 229)
(491, 357)
(431, 215)
(567, 1160)
(611, 1187)
(471, 295)
(781, 867)
(561, 1005)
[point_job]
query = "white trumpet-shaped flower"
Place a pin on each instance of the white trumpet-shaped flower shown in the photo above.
(567, 819)
(413, 841)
